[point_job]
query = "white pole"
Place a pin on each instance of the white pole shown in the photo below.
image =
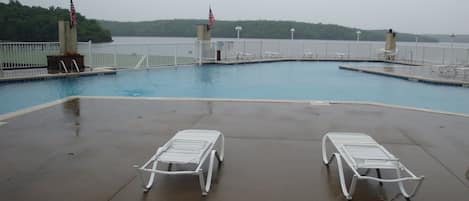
(443, 58)
(423, 54)
(467, 56)
(115, 56)
(348, 50)
(261, 49)
(452, 48)
(147, 57)
(200, 52)
(175, 55)
(1, 61)
(416, 47)
(358, 35)
(90, 56)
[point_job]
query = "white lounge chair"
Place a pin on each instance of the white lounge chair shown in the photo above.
(361, 152)
(188, 148)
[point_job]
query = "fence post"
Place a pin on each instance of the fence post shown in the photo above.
(200, 51)
(175, 55)
(411, 58)
(261, 49)
(303, 47)
(90, 55)
(348, 50)
(467, 56)
(1, 61)
(370, 56)
(244, 47)
(423, 55)
(278, 48)
(147, 62)
(327, 46)
(115, 55)
(444, 56)
(214, 46)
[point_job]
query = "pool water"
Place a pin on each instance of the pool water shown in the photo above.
(280, 80)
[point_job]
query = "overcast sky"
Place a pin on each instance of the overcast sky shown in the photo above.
(415, 16)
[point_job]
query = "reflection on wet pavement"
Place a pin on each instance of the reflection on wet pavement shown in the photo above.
(84, 149)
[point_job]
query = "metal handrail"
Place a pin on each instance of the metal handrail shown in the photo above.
(63, 65)
(76, 65)
(139, 63)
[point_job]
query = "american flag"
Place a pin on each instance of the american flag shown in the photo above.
(211, 18)
(73, 15)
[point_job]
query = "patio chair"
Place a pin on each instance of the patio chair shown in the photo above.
(361, 152)
(189, 148)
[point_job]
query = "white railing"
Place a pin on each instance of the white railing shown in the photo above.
(27, 55)
(138, 55)
(20, 55)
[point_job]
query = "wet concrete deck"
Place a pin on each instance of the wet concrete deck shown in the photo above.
(84, 149)
(445, 75)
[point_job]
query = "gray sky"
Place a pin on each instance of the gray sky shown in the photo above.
(415, 16)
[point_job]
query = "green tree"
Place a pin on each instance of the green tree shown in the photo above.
(24, 23)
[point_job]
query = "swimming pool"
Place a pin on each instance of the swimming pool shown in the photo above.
(278, 80)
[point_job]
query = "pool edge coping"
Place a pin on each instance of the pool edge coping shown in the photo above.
(20, 112)
(426, 80)
(4, 117)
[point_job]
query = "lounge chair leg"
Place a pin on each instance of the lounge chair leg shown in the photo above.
(378, 172)
(139, 172)
(347, 193)
(220, 161)
(202, 183)
(206, 184)
(152, 178)
(221, 156)
(403, 190)
(324, 152)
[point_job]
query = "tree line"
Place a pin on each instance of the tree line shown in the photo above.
(251, 29)
(24, 23)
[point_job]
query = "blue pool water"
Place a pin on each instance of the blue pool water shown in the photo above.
(282, 80)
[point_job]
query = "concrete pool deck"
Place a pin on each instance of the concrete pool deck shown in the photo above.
(83, 148)
(426, 74)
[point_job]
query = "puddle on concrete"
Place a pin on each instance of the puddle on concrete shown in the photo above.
(72, 114)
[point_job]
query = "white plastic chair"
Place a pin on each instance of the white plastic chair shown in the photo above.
(187, 147)
(360, 151)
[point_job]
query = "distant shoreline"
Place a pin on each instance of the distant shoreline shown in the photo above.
(158, 39)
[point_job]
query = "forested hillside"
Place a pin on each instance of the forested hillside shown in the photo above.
(251, 29)
(24, 23)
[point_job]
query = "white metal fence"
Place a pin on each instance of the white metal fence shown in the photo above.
(30, 55)
(137, 55)
(14, 55)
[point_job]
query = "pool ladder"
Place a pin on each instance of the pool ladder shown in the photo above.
(65, 66)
